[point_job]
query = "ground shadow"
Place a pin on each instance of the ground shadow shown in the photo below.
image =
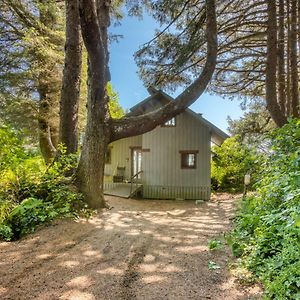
(139, 249)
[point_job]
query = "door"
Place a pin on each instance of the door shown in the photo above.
(136, 161)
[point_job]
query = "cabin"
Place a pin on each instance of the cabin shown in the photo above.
(170, 162)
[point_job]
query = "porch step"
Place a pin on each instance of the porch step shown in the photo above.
(123, 190)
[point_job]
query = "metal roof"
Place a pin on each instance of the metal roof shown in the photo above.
(217, 134)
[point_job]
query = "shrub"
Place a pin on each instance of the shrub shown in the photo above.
(12, 150)
(5, 232)
(215, 244)
(30, 193)
(230, 162)
(267, 228)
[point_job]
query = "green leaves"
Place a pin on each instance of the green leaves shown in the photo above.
(215, 244)
(231, 162)
(29, 194)
(267, 234)
(5, 232)
(115, 108)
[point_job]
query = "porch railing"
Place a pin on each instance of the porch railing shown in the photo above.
(134, 180)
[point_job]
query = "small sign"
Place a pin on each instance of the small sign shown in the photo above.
(247, 179)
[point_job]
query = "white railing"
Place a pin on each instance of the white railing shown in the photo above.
(134, 180)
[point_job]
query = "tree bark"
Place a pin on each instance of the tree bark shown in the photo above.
(70, 93)
(281, 58)
(48, 91)
(46, 145)
(298, 26)
(90, 172)
(271, 66)
(101, 129)
(132, 126)
(293, 61)
(288, 55)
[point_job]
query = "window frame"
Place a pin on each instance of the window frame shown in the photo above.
(169, 125)
(183, 154)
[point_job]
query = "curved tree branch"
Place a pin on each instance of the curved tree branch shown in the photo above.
(132, 126)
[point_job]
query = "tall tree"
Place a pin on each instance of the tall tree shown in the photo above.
(253, 127)
(281, 58)
(294, 61)
(70, 93)
(47, 87)
(31, 59)
(242, 53)
(101, 128)
(271, 91)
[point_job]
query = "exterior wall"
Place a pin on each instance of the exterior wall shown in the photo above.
(176, 192)
(163, 176)
(121, 156)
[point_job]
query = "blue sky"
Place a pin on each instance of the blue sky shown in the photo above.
(131, 89)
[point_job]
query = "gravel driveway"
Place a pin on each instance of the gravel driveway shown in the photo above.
(139, 249)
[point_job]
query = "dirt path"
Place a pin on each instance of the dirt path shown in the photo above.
(137, 250)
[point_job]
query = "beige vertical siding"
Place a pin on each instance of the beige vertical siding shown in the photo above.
(176, 192)
(121, 156)
(163, 177)
(162, 165)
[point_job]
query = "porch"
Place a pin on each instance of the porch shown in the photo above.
(122, 189)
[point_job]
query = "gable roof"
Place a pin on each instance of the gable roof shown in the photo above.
(159, 98)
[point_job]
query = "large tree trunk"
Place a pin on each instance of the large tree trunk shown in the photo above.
(48, 90)
(101, 129)
(70, 93)
(45, 140)
(132, 126)
(271, 66)
(281, 58)
(293, 61)
(288, 55)
(90, 171)
(298, 25)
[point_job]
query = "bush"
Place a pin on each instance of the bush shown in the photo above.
(25, 216)
(30, 193)
(5, 232)
(267, 228)
(230, 162)
(12, 150)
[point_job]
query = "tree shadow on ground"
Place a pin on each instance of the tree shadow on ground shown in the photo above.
(140, 249)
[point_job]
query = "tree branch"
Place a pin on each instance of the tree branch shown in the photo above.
(132, 126)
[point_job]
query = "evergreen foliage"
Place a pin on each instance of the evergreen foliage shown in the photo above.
(32, 40)
(115, 109)
(30, 194)
(230, 162)
(253, 126)
(267, 228)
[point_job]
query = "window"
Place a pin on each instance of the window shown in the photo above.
(108, 156)
(188, 159)
(170, 123)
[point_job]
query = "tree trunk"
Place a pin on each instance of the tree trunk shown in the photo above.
(132, 126)
(271, 66)
(90, 171)
(281, 58)
(288, 55)
(298, 26)
(293, 61)
(70, 93)
(48, 91)
(46, 145)
(101, 129)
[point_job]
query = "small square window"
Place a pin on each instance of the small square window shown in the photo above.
(170, 123)
(108, 156)
(188, 159)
